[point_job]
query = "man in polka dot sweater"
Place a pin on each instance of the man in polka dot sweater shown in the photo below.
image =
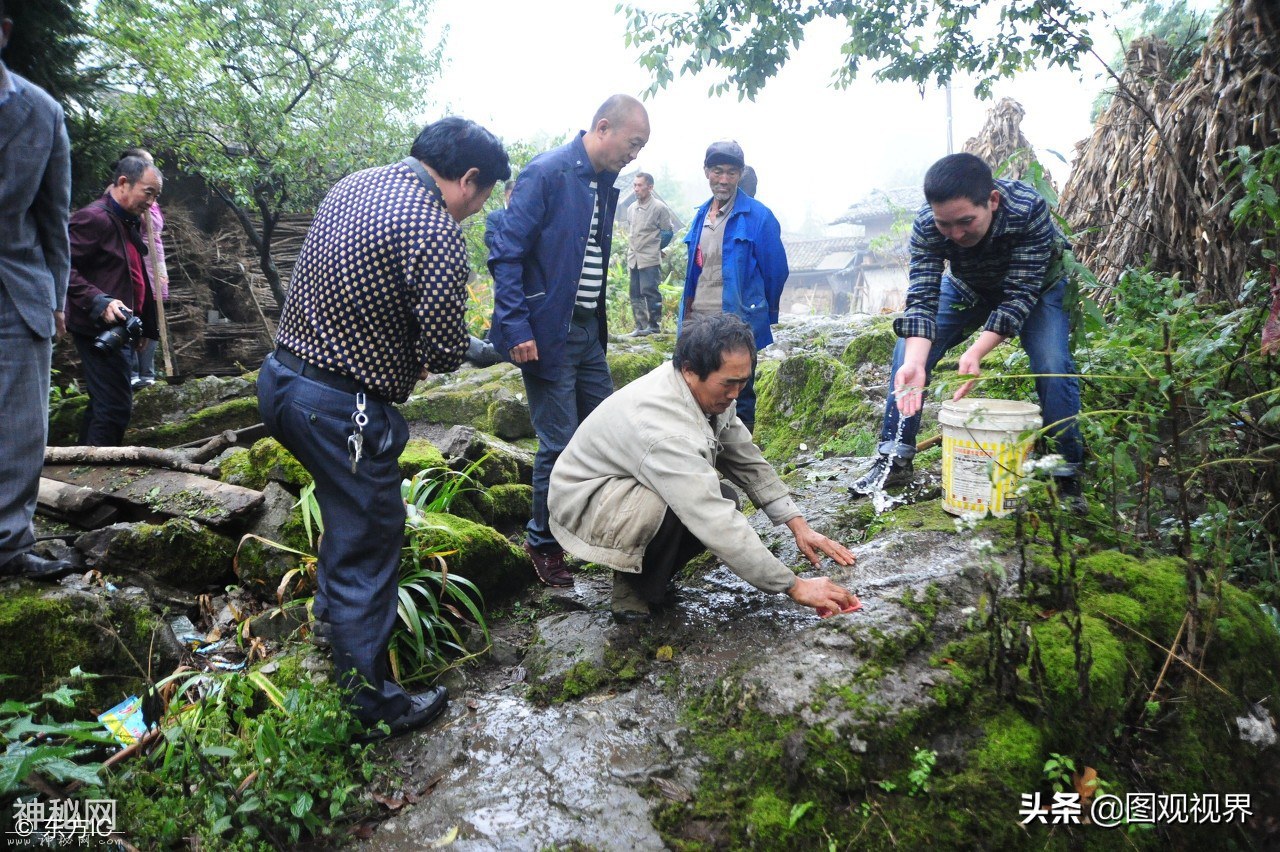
(376, 302)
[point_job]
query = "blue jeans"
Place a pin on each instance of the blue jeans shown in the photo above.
(359, 561)
(1046, 339)
(143, 363)
(556, 407)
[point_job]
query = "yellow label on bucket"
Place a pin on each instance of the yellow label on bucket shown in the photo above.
(984, 444)
(981, 476)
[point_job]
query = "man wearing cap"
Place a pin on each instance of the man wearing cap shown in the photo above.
(549, 258)
(737, 264)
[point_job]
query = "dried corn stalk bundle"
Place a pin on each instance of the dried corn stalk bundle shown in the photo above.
(1001, 141)
(1158, 193)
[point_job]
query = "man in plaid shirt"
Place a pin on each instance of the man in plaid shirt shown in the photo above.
(1005, 277)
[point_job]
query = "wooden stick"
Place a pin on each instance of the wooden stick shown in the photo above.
(149, 456)
(155, 292)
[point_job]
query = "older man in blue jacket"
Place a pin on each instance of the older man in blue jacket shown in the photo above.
(549, 256)
(737, 264)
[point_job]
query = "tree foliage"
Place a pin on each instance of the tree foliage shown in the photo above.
(907, 40)
(269, 101)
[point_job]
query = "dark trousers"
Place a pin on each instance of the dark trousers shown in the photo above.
(556, 407)
(106, 380)
(646, 300)
(363, 515)
(24, 416)
(672, 546)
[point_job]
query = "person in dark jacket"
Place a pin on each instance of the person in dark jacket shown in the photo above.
(549, 257)
(109, 277)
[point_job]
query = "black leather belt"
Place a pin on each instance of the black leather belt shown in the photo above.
(319, 374)
(583, 316)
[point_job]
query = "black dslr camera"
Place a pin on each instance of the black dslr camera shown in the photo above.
(114, 338)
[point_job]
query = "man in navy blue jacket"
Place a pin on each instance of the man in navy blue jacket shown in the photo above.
(737, 264)
(549, 256)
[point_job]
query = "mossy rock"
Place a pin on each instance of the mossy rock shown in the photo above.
(482, 554)
(808, 398)
(163, 403)
(179, 552)
(488, 460)
(261, 566)
(419, 455)
(991, 749)
(232, 414)
(65, 418)
(625, 367)
(47, 631)
(491, 400)
(507, 504)
(266, 461)
(873, 347)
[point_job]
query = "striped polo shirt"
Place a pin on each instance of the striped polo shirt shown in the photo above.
(591, 283)
(1015, 263)
(379, 289)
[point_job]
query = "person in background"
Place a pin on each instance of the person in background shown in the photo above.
(378, 299)
(986, 254)
(549, 259)
(650, 227)
(143, 361)
(35, 199)
(638, 487)
(110, 285)
(737, 264)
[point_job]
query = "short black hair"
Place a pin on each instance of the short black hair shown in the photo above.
(959, 176)
(648, 178)
(704, 340)
(748, 182)
(132, 168)
(454, 145)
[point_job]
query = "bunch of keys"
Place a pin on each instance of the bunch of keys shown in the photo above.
(355, 442)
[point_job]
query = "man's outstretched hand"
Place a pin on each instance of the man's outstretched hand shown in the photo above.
(822, 594)
(813, 543)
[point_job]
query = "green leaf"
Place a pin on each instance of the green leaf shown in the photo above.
(301, 805)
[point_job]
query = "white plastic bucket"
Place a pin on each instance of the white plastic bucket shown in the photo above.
(984, 443)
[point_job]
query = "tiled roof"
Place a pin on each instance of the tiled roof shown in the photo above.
(833, 253)
(883, 202)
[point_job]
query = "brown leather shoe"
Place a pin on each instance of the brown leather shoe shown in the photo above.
(550, 567)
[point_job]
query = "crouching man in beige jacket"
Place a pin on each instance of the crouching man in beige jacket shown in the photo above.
(638, 487)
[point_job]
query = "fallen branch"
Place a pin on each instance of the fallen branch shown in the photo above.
(118, 456)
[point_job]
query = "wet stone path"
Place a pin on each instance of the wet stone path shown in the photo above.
(498, 772)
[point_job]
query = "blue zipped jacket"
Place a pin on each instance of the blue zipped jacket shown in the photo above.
(537, 252)
(754, 265)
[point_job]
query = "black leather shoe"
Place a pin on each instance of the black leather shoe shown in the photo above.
(423, 707)
(33, 567)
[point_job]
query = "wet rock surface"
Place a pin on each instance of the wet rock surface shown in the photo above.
(510, 773)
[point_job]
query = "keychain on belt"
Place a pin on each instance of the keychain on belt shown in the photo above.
(355, 442)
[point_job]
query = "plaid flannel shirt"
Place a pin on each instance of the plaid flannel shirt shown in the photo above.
(1013, 264)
